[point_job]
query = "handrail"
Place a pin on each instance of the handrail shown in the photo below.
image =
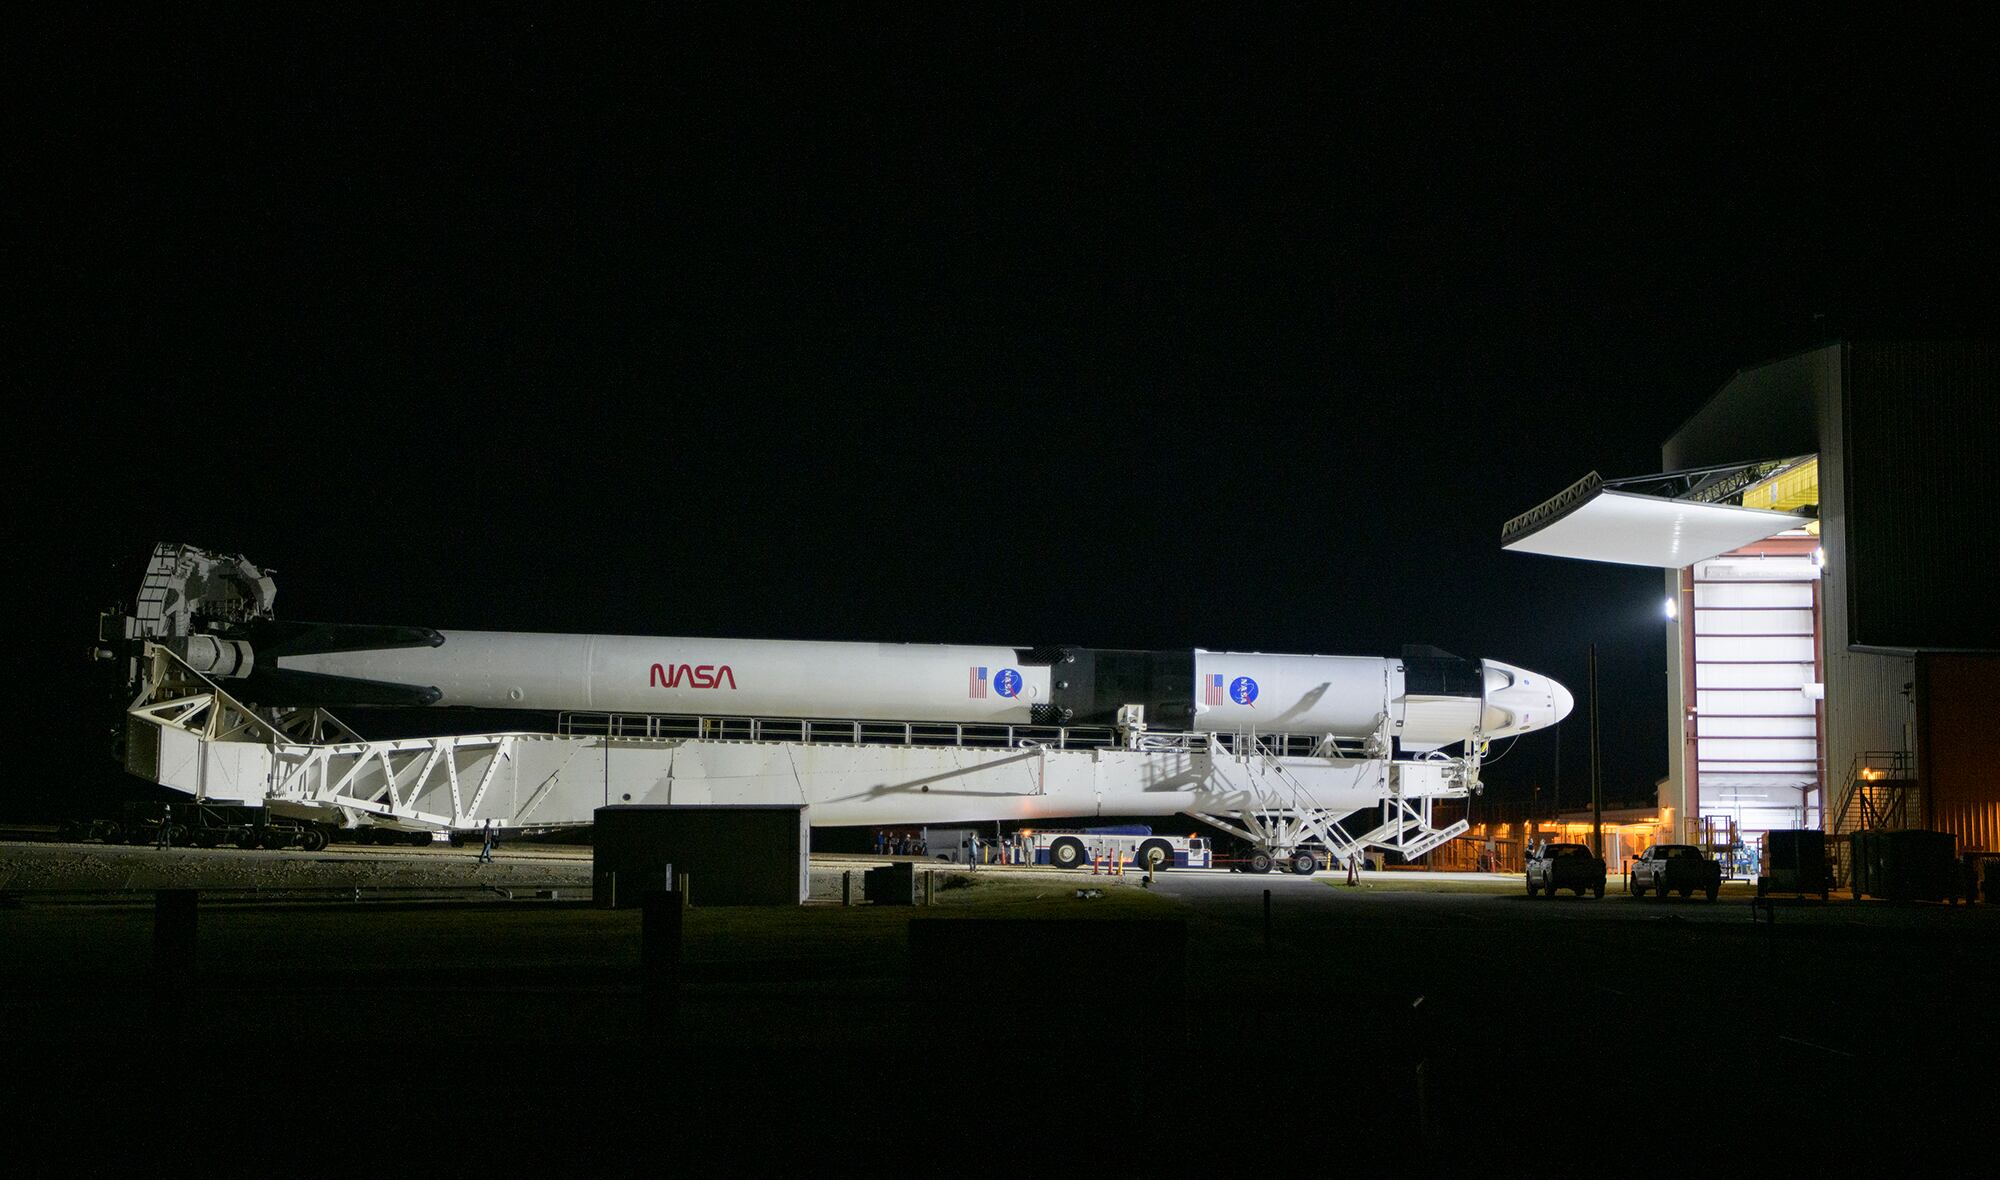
(1876, 785)
(827, 731)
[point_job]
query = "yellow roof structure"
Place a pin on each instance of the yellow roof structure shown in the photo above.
(1793, 488)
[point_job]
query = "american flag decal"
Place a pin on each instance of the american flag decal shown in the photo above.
(1211, 691)
(976, 687)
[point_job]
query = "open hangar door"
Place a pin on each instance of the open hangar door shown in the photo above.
(1740, 547)
(1877, 451)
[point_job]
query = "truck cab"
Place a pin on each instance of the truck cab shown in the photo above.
(1565, 866)
(1674, 867)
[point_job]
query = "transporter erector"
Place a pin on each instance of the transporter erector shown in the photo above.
(232, 704)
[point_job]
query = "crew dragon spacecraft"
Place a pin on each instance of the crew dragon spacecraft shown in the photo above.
(1284, 750)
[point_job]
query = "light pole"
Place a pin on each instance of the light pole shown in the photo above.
(1596, 772)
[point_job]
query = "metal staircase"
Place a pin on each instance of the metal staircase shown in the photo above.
(1880, 796)
(1284, 815)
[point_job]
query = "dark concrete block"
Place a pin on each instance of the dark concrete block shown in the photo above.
(730, 855)
(890, 885)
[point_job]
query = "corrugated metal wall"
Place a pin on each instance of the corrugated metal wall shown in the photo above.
(1961, 703)
(1867, 704)
(1922, 422)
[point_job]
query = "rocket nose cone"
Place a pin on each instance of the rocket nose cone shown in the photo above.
(1520, 701)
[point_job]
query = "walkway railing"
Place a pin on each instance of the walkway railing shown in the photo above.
(851, 732)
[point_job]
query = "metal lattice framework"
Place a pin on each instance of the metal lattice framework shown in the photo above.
(1290, 818)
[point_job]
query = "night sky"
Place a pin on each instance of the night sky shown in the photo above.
(1148, 326)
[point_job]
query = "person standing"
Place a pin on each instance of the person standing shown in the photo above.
(486, 845)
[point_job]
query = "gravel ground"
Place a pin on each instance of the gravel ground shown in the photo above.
(94, 867)
(51, 867)
(41, 867)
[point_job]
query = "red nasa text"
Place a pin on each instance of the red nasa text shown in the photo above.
(692, 676)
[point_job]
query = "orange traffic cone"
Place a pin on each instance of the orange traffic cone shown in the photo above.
(1094, 862)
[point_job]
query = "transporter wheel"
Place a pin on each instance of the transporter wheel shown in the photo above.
(1156, 856)
(420, 839)
(1260, 862)
(1598, 890)
(312, 840)
(246, 839)
(1635, 889)
(1713, 890)
(275, 838)
(106, 831)
(1066, 854)
(1304, 865)
(207, 839)
(1531, 888)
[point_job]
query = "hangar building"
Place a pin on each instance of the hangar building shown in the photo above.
(1833, 655)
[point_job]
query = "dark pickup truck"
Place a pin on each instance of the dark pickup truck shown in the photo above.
(1565, 866)
(1681, 868)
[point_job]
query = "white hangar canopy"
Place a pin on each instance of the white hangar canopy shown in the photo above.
(1627, 522)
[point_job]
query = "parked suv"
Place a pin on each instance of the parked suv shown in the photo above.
(1667, 867)
(1565, 866)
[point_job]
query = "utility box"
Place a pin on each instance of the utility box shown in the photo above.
(1907, 865)
(890, 885)
(750, 854)
(1795, 862)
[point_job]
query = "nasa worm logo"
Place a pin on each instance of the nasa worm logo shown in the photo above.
(692, 676)
(1243, 690)
(1007, 682)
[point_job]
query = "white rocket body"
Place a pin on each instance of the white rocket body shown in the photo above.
(1345, 696)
